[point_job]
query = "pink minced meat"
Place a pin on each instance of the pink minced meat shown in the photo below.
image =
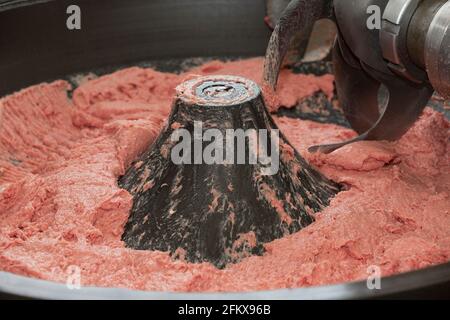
(60, 205)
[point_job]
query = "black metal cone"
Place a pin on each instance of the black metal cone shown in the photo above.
(219, 213)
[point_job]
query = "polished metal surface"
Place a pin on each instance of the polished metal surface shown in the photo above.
(418, 29)
(437, 53)
(393, 39)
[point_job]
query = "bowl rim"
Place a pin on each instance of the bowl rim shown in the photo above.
(25, 287)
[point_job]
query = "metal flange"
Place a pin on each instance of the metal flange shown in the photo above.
(393, 39)
(437, 51)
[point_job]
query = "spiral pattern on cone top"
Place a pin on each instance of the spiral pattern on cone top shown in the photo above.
(218, 91)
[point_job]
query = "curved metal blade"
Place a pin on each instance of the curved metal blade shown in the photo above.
(298, 19)
(358, 93)
(358, 85)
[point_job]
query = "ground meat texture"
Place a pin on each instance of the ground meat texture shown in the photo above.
(60, 204)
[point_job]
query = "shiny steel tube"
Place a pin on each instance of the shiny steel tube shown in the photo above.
(437, 51)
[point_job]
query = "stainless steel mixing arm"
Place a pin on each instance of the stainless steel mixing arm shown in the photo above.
(384, 76)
